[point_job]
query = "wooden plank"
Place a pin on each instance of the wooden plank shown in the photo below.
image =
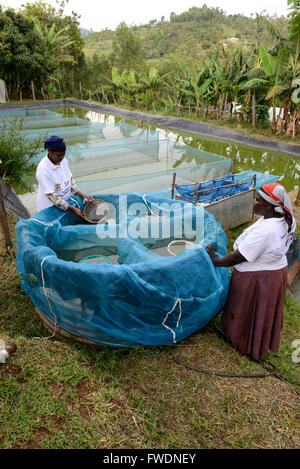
(4, 225)
(173, 185)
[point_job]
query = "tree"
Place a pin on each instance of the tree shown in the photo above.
(48, 15)
(22, 54)
(125, 82)
(127, 48)
(17, 153)
(16, 164)
(294, 35)
(53, 26)
(152, 81)
(55, 42)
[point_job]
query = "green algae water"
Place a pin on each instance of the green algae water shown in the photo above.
(284, 165)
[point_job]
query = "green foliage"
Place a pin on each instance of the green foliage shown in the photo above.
(16, 154)
(36, 44)
(216, 73)
(55, 42)
(196, 33)
(127, 48)
(294, 33)
(47, 16)
(22, 54)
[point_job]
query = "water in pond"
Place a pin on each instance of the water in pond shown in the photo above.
(285, 165)
(157, 161)
(109, 253)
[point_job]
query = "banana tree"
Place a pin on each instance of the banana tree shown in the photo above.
(55, 42)
(294, 41)
(125, 82)
(56, 45)
(195, 86)
(151, 82)
(200, 91)
(254, 85)
(294, 35)
(235, 67)
(276, 69)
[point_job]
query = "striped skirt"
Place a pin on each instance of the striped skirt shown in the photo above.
(253, 314)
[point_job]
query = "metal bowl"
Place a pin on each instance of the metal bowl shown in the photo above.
(96, 211)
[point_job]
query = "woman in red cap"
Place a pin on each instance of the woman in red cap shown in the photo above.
(253, 314)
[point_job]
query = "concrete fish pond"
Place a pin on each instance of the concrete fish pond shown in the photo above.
(229, 198)
(152, 291)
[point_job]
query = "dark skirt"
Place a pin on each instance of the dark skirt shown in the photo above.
(253, 314)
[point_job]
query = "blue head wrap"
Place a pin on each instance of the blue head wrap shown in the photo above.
(55, 143)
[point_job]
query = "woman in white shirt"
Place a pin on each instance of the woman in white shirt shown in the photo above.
(55, 181)
(253, 314)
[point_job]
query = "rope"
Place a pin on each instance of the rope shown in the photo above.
(76, 202)
(178, 241)
(274, 373)
(178, 301)
(41, 222)
(279, 376)
(47, 298)
(219, 373)
(152, 213)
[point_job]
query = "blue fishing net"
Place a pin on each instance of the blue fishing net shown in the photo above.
(225, 186)
(119, 156)
(214, 190)
(146, 295)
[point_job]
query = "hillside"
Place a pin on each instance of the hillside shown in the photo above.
(192, 33)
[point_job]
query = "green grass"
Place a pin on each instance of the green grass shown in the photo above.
(60, 394)
(104, 50)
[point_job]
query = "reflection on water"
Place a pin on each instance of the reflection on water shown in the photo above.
(286, 166)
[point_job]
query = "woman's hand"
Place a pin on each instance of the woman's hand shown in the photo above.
(77, 212)
(211, 252)
(227, 261)
(89, 198)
